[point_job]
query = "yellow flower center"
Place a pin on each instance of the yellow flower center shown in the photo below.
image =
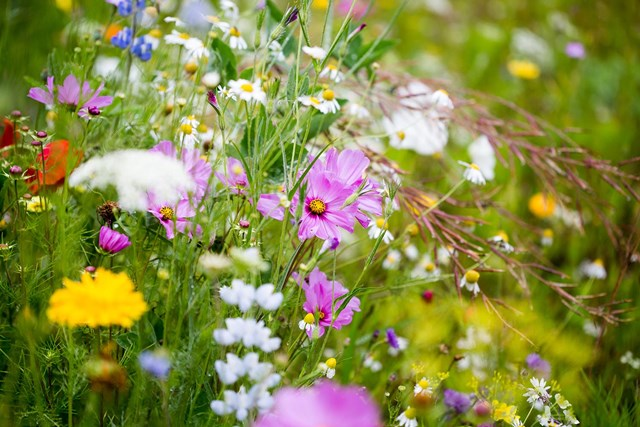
(472, 276)
(167, 213)
(321, 315)
(332, 67)
(423, 383)
(381, 224)
(430, 267)
(155, 33)
(503, 236)
(331, 363)
(474, 166)
(328, 95)
(186, 128)
(548, 233)
(190, 67)
(410, 413)
(237, 169)
(184, 36)
(234, 32)
(314, 100)
(247, 87)
(309, 319)
(401, 135)
(317, 207)
(202, 128)
(413, 229)
(599, 262)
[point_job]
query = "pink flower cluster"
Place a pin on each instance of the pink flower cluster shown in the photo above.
(337, 195)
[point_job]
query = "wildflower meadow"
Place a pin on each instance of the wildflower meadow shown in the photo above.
(319, 213)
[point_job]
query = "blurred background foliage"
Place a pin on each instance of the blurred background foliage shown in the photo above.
(469, 46)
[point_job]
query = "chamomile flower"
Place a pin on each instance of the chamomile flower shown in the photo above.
(483, 155)
(392, 260)
(425, 268)
(547, 237)
(227, 93)
(501, 241)
(473, 174)
(308, 324)
(423, 387)
(328, 368)
(315, 52)
(248, 91)
(177, 37)
(407, 418)
(593, 269)
(187, 132)
(332, 72)
(470, 282)
(217, 23)
(377, 228)
(235, 39)
(325, 101)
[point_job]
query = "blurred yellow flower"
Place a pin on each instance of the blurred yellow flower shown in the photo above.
(103, 300)
(37, 204)
(503, 412)
(542, 205)
(65, 5)
(523, 69)
(320, 4)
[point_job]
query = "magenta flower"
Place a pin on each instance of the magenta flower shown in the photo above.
(271, 205)
(325, 210)
(175, 218)
(324, 404)
(45, 97)
(72, 96)
(349, 167)
(234, 177)
(111, 241)
(323, 299)
(198, 168)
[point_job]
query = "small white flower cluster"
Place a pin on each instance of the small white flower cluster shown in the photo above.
(244, 296)
(628, 359)
(250, 333)
(135, 174)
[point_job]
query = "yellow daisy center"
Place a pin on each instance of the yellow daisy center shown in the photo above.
(186, 128)
(401, 135)
(184, 36)
(331, 363)
(472, 276)
(410, 413)
(430, 267)
(234, 32)
(381, 224)
(328, 95)
(309, 319)
(474, 166)
(423, 383)
(247, 87)
(317, 207)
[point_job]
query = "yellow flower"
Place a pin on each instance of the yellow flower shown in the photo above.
(542, 205)
(523, 69)
(503, 412)
(38, 204)
(103, 300)
(320, 4)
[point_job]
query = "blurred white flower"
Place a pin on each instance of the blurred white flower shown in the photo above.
(482, 154)
(249, 332)
(593, 269)
(248, 91)
(135, 174)
(315, 52)
(473, 174)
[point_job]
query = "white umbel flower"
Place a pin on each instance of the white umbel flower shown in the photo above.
(248, 331)
(473, 174)
(135, 174)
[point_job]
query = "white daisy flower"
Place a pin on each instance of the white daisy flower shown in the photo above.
(501, 240)
(377, 227)
(410, 251)
(407, 418)
(470, 282)
(423, 387)
(593, 269)
(547, 237)
(226, 93)
(217, 23)
(175, 21)
(315, 52)
(308, 324)
(324, 102)
(392, 260)
(235, 39)
(248, 91)
(187, 131)
(425, 268)
(332, 72)
(473, 174)
(177, 37)
(328, 368)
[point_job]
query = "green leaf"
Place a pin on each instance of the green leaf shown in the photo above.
(224, 57)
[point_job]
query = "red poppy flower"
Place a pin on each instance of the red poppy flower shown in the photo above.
(7, 134)
(56, 159)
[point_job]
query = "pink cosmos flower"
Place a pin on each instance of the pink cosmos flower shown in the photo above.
(234, 177)
(323, 298)
(198, 168)
(71, 95)
(111, 241)
(271, 205)
(175, 218)
(324, 208)
(324, 404)
(349, 166)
